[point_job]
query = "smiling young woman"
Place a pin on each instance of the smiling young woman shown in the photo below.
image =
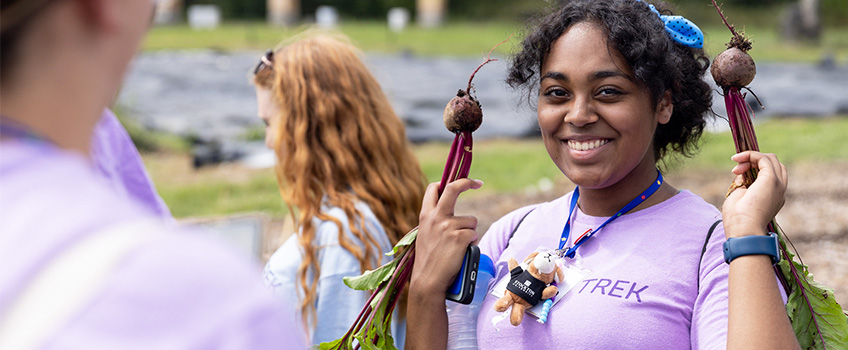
(620, 85)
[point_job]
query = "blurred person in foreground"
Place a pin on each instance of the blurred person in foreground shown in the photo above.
(347, 170)
(85, 266)
(116, 158)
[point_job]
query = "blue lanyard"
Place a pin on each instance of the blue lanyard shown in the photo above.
(566, 231)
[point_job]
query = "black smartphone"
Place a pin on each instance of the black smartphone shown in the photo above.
(462, 289)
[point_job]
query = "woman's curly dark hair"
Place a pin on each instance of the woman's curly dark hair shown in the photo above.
(657, 61)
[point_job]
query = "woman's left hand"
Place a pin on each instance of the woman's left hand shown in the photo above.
(747, 211)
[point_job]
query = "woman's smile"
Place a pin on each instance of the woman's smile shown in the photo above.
(586, 145)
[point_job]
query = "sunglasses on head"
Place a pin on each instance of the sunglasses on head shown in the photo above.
(265, 62)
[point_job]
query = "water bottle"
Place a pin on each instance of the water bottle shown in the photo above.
(462, 319)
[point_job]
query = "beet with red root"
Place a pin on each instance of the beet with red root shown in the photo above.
(463, 113)
(733, 68)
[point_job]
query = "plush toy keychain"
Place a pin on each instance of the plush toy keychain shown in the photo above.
(527, 288)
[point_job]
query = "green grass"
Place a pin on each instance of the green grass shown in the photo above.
(504, 165)
(769, 47)
(465, 39)
(795, 141)
(222, 198)
(212, 191)
(455, 39)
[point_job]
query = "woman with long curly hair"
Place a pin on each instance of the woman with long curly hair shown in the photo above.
(346, 171)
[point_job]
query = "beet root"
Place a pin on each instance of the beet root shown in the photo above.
(463, 113)
(733, 68)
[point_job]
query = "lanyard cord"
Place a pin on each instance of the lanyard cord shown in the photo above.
(566, 231)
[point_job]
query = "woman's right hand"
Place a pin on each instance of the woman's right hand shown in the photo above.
(442, 238)
(440, 247)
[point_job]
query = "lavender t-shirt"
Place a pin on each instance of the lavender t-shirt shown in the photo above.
(115, 157)
(177, 291)
(644, 289)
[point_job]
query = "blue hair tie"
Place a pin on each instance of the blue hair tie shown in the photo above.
(680, 29)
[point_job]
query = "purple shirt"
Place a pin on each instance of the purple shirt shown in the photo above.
(177, 291)
(645, 289)
(115, 157)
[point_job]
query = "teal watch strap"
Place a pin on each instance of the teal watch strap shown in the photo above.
(752, 245)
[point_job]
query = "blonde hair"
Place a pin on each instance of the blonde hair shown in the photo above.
(338, 139)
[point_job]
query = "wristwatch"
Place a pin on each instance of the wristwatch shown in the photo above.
(752, 245)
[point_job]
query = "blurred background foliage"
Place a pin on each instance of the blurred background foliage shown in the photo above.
(773, 25)
(471, 26)
(754, 12)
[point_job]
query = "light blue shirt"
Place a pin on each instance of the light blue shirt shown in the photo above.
(337, 305)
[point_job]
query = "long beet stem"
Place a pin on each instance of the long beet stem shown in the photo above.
(400, 285)
(394, 276)
(468, 90)
(488, 59)
(468, 143)
(457, 157)
(452, 165)
(742, 127)
(733, 120)
(396, 282)
(393, 300)
(405, 273)
(745, 139)
(361, 323)
(740, 122)
(806, 298)
(363, 314)
(746, 128)
(729, 26)
(446, 174)
(460, 151)
(457, 166)
(748, 118)
(773, 227)
(365, 317)
(742, 130)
